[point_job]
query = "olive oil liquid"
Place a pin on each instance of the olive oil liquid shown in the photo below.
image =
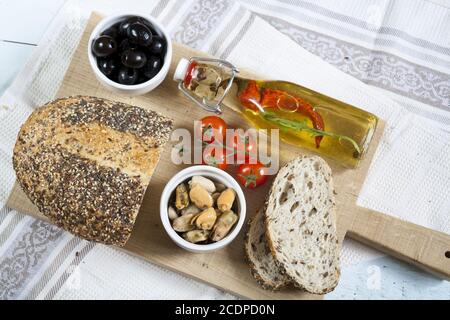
(338, 118)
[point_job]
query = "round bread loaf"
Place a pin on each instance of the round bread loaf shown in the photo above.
(86, 162)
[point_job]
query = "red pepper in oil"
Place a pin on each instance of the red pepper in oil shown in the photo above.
(254, 98)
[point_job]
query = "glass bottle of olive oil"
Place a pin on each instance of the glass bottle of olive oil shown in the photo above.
(305, 118)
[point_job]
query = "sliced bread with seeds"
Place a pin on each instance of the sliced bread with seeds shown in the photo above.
(300, 221)
(262, 265)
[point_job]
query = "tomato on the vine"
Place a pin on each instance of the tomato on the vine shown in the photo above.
(211, 128)
(252, 175)
(210, 158)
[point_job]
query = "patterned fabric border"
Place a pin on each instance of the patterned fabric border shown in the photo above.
(373, 67)
(34, 245)
(202, 16)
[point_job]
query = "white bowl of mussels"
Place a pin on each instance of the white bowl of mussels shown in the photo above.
(202, 208)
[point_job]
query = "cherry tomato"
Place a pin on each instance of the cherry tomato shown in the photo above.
(213, 126)
(245, 145)
(252, 175)
(210, 158)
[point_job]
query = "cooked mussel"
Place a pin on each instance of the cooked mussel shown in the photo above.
(223, 225)
(172, 213)
(192, 208)
(206, 183)
(183, 223)
(200, 197)
(226, 199)
(205, 220)
(195, 236)
(181, 197)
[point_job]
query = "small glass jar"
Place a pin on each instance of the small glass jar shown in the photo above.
(205, 81)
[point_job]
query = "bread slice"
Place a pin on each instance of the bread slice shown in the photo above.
(262, 265)
(301, 224)
(85, 162)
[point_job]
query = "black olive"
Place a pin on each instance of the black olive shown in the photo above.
(112, 31)
(104, 46)
(158, 45)
(149, 26)
(134, 58)
(139, 34)
(127, 76)
(123, 27)
(152, 67)
(108, 66)
(126, 45)
(142, 78)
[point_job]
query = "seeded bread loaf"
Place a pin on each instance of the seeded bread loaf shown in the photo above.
(85, 162)
(301, 224)
(262, 264)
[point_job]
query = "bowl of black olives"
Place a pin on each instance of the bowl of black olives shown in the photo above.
(130, 53)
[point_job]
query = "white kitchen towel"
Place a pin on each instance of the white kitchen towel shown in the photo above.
(401, 49)
(41, 261)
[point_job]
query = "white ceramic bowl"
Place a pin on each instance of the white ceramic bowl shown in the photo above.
(216, 175)
(136, 89)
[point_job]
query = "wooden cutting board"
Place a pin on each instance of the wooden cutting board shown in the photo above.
(226, 268)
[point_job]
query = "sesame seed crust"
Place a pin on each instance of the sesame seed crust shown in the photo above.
(95, 199)
(119, 116)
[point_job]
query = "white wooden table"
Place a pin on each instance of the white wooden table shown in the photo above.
(383, 278)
